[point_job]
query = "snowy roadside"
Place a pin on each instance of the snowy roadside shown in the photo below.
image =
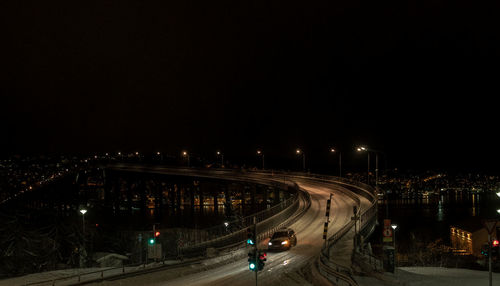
(430, 276)
(89, 274)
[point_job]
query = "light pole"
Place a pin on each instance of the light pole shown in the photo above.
(83, 211)
(332, 150)
(364, 149)
(222, 158)
(298, 152)
(394, 226)
(260, 153)
(367, 150)
(186, 155)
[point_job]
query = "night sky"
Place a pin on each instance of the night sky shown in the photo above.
(416, 79)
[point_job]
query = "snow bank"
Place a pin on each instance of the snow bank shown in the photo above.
(430, 276)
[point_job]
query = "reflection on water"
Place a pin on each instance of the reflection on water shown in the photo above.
(429, 217)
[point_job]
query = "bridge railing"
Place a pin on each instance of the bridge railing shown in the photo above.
(331, 270)
(222, 237)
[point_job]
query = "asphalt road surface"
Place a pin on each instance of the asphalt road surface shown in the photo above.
(281, 268)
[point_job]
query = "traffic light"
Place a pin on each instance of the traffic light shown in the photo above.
(250, 236)
(252, 265)
(151, 241)
(261, 261)
(157, 234)
(495, 245)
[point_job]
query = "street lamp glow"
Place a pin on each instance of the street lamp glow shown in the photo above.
(226, 224)
(136, 153)
(298, 151)
(218, 152)
(184, 153)
(498, 211)
(394, 226)
(158, 153)
(83, 211)
(119, 153)
(332, 150)
(259, 152)
(498, 194)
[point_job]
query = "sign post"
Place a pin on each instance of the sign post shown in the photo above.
(387, 238)
(490, 226)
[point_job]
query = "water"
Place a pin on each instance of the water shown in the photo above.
(428, 219)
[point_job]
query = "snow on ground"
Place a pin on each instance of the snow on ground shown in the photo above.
(86, 274)
(430, 276)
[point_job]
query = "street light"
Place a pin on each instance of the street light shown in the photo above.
(367, 150)
(83, 211)
(222, 158)
(332, 150)
(298, 152)
(363, 149)
(394, 226)
(260, 153)
(186, 154)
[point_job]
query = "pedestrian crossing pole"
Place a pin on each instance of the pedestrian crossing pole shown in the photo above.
(327, 214)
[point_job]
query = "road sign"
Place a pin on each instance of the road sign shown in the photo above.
(490, 225)
(387, 234)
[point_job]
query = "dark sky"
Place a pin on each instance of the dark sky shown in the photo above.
(416, 79)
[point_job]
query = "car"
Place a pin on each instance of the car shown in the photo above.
(282, 239)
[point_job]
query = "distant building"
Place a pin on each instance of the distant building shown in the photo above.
(468, 237)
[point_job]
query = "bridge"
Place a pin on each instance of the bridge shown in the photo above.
(220, 257)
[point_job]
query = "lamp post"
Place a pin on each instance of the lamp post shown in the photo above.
(364, 149)
(368, 150)
(332, 150)
(299, 152)
(222, 158)
(394, 226)
(260, 153)
(186, 155)
(83, 211)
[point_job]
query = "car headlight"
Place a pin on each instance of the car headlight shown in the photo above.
(284, 242)
(270, 243)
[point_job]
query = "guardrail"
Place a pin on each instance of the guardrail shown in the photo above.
(268, 221)
(220, 237)
(329, 269)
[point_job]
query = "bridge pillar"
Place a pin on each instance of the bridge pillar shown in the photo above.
(128, 190)
(216, 203)
(228, 204)
(158, 198)
(191, 198)
(253, 194)
(116, 196)
(276, 195)
(179, 193)
(201, 197)
(265, 195)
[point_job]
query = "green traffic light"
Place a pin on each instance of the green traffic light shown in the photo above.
(151, 241)
(249, 241)
(251, 266)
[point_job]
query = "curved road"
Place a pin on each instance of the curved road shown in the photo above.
(281, 268)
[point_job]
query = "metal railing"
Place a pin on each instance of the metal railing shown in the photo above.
(332, 271)
(267, 221)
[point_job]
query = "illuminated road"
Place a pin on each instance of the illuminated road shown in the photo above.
(282, 268)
